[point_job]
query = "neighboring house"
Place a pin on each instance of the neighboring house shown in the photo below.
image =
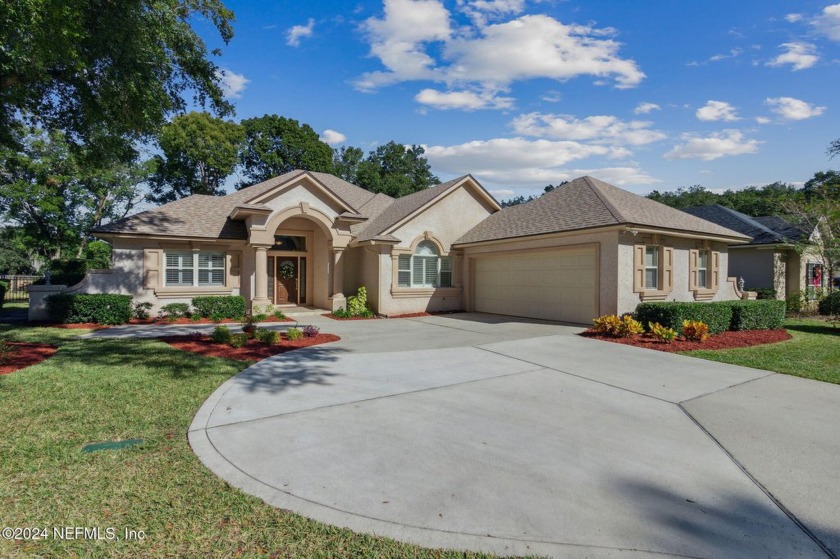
(582, 250)
(770, 260)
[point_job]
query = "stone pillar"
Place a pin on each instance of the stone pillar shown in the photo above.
(338, 300)
(260, 277)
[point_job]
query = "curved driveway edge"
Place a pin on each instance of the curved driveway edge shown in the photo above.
(501, 435)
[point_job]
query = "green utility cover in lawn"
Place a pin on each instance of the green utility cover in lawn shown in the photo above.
(111, 445)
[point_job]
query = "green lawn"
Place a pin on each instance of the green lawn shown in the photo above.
(99, 390)
(814, 352)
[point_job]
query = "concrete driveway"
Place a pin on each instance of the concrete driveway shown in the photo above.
(518, 437)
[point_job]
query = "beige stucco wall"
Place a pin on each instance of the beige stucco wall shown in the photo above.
(628, 300)
(607, 242)
(444, 222)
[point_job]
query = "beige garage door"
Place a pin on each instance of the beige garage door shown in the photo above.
(551, 285)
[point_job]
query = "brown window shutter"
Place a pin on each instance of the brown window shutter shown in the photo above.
(638, 268)
(151, 268)
(693, 264)
(715, 271)
(667, 269)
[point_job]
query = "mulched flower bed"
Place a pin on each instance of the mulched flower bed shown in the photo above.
(724, 340)
(251, 351)
(166, 322)
(25, 355)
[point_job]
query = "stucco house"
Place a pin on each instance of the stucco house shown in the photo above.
(304, 238)
(769, 260)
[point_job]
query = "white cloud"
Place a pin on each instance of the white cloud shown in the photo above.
(398, 39)
(716, 110)
(552, 97)
(465, 100)
(502, 193)
(538, 46)
(619, 176)
(763, 120)
(332, 137)
(298, 32)
(828, 23)
(790, 108)
(414, 40)
(598, 129)
(646, 108)
(715, 146)
(732, 54)
(799, 55)
(233, 84)
(481, 11)
(793, 18)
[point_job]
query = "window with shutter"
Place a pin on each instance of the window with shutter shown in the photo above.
(445, 271)
(194, 269)
(404, 271)
(651, 267)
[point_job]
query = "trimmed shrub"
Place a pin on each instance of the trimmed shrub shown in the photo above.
(101, 308)
(65, 272)
(671, 314)
(757, 315)
(294, 334)
(175, 310)
(763, 293)
(238, 340)
(221, 335)
(2, 294)
(224, 306)
(831, 304)
(267, 336)
(622, 327)
(142, 310)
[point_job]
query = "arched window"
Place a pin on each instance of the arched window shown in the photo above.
(425, 268)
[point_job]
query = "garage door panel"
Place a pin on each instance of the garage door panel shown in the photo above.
(558, 285)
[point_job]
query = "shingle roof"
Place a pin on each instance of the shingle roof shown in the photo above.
(194, 216)
(586, 203)
(762, 230)
(207, 216)
(402, 208)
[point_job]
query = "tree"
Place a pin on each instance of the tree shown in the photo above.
(106, 73)
(396, 170)
(54, 194)
(14, 258)
(759, 201)
(38, 192)
(833, 149)
(685, 197)
(275, 145)
(199, 153)
(346, 163)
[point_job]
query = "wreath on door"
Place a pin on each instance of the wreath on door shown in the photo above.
(287, 269)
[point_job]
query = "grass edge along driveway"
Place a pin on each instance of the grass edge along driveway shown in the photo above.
(814, 352)
(115, 389)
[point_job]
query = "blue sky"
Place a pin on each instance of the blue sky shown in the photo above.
(645, 95)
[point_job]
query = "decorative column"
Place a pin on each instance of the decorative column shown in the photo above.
(338, 299)
(260, 277)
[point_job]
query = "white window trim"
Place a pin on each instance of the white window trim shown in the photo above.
(413, 260)
(196, 270)
(703, 271)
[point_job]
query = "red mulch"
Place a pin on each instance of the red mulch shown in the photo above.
(165, 322)
(251, 351)
(330, 315)
(724, 340)
(25, 355)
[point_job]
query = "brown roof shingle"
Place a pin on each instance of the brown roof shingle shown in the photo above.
(586, 203)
